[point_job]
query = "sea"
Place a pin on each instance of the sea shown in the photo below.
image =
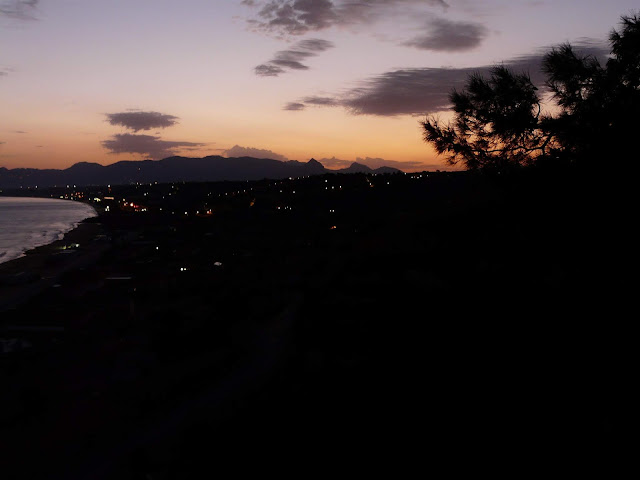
(27, 223)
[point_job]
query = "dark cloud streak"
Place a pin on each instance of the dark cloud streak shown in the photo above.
(420, 91)
(19, 9)
(447, 36)
(299, 17)
(136, 120)
(238, 151)
(294, 106)
(373, 163)
(321, 101)
(292, 59)
(148, 145)
(266, 70)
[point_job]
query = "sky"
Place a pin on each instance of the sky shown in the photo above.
(335, 80)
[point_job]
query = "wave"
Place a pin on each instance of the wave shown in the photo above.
(21, 232)
(36, 239)
(9, 255)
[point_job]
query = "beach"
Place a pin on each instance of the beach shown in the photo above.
(41, 267)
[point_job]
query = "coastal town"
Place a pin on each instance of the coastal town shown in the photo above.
(239, 308)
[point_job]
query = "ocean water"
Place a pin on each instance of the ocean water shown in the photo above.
(26, 223)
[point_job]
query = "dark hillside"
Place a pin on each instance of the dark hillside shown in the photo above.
(351, 320)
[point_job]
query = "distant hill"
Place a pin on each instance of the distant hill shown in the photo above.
(172, 169)
(356, 168)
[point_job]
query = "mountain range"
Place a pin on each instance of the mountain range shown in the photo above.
(172, 169)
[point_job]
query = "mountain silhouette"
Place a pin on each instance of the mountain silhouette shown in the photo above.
(356, 167)
(171, 169)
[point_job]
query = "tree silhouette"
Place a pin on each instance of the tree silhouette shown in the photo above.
(498, 121)
(599, 105)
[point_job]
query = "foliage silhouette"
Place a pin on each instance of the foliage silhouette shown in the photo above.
(498, 121)
(599, 104)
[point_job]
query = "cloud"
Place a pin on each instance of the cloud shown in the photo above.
(147, 145)
(19, 9)
(419, 91)
(321, 101)
(312, 100)
(136, 120)
(337, 163)
(381, 162)
(18, 131)
(400, 92)
(292, 59)
(299, 17)
(266, 70)
(294, 106)
(294, 17)
(238, 151)
(448, 36)
(408, 91)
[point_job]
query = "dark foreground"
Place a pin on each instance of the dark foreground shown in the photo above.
(360, 324)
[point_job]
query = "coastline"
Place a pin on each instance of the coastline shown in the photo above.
(29, 251)
(41, 267)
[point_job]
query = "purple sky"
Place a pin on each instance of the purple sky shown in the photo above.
(292, 79)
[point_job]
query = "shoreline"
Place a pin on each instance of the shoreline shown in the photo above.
(35, 249)
(40, 268)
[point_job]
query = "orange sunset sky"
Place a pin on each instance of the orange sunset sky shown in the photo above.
(340, 81)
